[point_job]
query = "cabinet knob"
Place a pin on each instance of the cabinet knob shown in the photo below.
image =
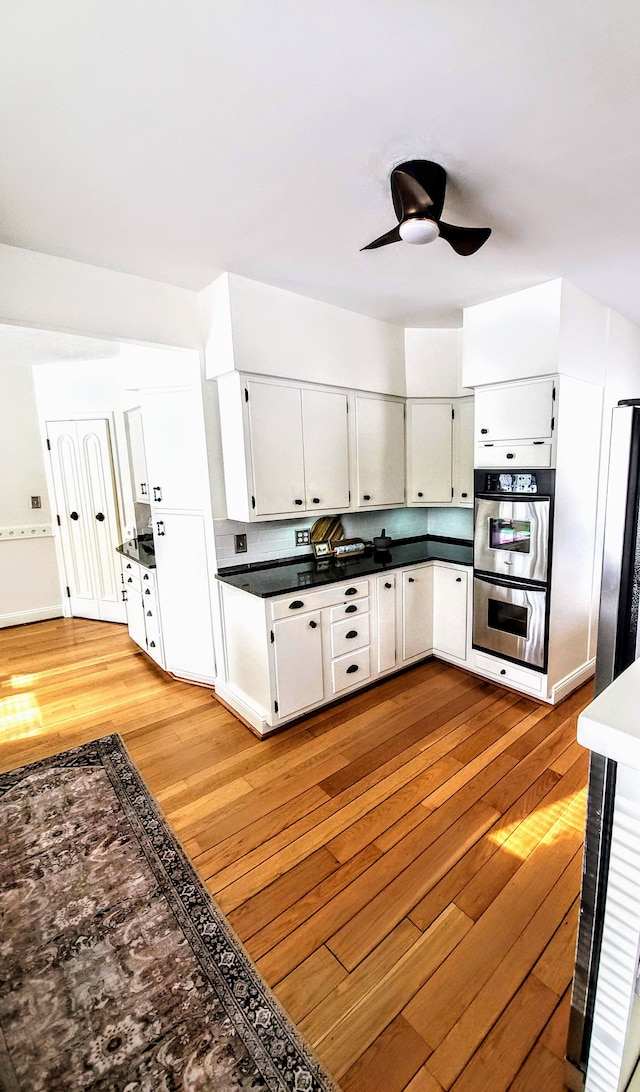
(313, 625)
(350, 609)
(388, 585)
(152, 644)
(297, 501)
(149, 614)
(421, 494)
(100, 517)
(316, 500)
(351, 668)
(464, 494)
(503, 671)
(366, 496)
(458, 580)
(351, 633)
(74, 515)
(510, 455)
(351, 591)
(297, 603)
(484, 431)
(411, 580)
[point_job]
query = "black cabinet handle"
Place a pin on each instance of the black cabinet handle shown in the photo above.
(537, 442)
(100, 517)
(510, 455)
(297, 603)
(152, 644)
(316, 500)
(149, 614)
(74, 515)
(387, 585)
(487, 445)
(313, 625)
(147, 591)
(421, 494)
(351, 591)
(298, 501)
(143, 489)
(351, 668)
(146, 576)
(366, 496)
(458, 580)
(157, 493)
(503, 671)
(352, 633)
(130, 580)
(350, 609)
(484, 431)
(410, 580)
(160, 527)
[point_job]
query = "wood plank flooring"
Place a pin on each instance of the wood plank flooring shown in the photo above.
(404, 867)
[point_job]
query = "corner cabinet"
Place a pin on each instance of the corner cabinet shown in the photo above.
(379, 444)
(289, 654)
(285, 448)
(440, 452)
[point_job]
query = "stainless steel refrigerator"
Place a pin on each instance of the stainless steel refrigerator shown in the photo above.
(618, 646)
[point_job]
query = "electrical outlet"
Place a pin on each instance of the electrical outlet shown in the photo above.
(241, 544)
(302, 538)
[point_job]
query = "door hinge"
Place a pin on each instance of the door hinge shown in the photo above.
(349, 496)
(275, 706)
(451, 492)
(253, 502)
(272, 637)
(58, 521)
(553, 394)
(453, 414)
(553, 423)
(48, 444)
(68, 592)
(246, 395)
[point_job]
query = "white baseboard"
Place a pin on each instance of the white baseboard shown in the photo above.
(255, 716)
(572, 681)
(23, 617)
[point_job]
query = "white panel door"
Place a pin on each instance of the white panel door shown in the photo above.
(275, 430)
(385, 637)
(516, 411)
(417, 612)
(326, 450)
(379, 452)
(450, 611)
(430, 462)
(463, 453)
(182, 582)
(175, 448)
(297, 655)
(83, 481)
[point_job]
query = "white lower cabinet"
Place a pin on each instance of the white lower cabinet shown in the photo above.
(143, 615)
(450, 611)
(386, 609)
(297, 663)
(417, 611)
(183, 582)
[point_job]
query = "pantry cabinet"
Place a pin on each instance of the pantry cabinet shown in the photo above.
(175, 448)
(379, 452)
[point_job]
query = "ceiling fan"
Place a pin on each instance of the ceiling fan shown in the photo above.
(417, 189)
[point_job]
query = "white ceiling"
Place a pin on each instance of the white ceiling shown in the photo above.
(178, 140)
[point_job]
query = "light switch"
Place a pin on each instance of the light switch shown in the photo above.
(36, 502)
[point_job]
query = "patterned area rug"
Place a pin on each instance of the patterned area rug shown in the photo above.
(117, 971)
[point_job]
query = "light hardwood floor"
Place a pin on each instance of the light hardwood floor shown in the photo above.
(403, 867)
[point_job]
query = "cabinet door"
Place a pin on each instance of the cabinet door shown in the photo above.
(175, 448)
(450, 611)
(379, 452)
(137, 458)
(135, 614)
(517, 411)
(182, 582)
(429, 456)
(326, 450)
(463, 453)
(275, 435)
(297, 653)
(385, 636)
(417, 612)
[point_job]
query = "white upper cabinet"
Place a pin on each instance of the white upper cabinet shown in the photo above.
(463, 453)
(379, 452)
(515, 411)
(137, 458)
(285, 448)
(429, 452)
(175, 448)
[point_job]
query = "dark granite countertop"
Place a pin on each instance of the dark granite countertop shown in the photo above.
(139, 549)
(278, 578)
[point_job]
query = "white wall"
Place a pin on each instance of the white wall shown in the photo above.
(54, 293)
(274, 332)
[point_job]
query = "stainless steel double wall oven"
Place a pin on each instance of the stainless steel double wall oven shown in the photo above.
(512, 564)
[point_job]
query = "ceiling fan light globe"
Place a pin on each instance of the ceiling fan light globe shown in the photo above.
(419, 230)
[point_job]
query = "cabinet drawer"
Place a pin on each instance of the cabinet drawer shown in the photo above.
(510, 674)
(349, 610)
(351, 670)
(349, 635)
(315, 600)
(513, 455)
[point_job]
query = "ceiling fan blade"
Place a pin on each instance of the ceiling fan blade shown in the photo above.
(417, 188)
(464, 240)
(392, 236)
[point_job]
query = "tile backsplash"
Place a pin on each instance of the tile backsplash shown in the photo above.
(276, 539)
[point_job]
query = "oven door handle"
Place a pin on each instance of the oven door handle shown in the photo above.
(516, 497)
(517, 585)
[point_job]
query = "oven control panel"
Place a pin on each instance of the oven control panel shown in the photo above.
(510, 483)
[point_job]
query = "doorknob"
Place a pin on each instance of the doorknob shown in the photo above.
(74, 515)
(100, 517)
